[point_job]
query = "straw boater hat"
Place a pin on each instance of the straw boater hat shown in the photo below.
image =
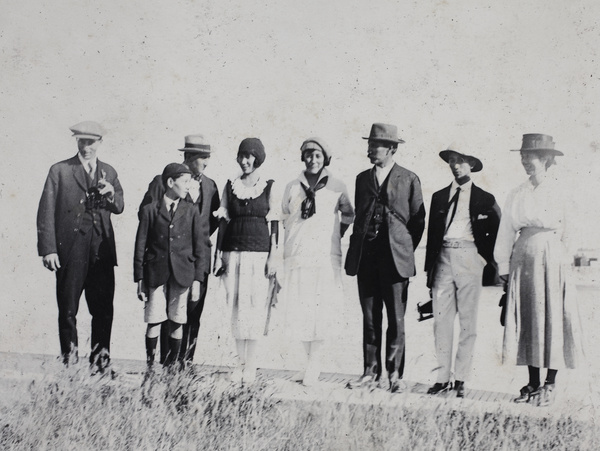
(88, 130)
(385, 133)
(451, 150)
(196, 144)
(538, 141)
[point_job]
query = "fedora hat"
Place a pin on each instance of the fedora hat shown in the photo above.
(88, 130)
(197, 144)
(384, 132)
(475, 163)
(538, 141)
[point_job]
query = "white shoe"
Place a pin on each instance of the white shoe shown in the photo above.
(237, 375)
(249, 376)
(311, 378)
(298, 377)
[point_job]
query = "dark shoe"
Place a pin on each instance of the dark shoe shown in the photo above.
(365, 381)
(547, 395)
(397, 385)
(439, 387)
(528, 393)
(459, 386)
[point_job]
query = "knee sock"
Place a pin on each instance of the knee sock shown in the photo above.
(534, 376)
(174, 347)
(551, 376)
(151, 344)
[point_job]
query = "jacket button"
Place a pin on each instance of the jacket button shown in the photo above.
(170, 226)
(75, 230)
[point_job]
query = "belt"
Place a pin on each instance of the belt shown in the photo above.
(455, 244)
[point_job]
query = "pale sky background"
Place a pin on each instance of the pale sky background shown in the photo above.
(476, 72)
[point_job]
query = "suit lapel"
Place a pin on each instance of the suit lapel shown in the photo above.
(391, 184)
(79, 173)
(474, 203)
(162, 210)
(179, 211)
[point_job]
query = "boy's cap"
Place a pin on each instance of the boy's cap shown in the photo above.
(173, 170)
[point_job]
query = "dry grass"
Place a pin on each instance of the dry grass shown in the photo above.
(172, 412)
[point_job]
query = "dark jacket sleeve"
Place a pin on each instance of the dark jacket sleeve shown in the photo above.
(46, 229)
(215, 203)
(117, 205)
(156, 191)
(197, 242)
(141, 238)
(416, 223)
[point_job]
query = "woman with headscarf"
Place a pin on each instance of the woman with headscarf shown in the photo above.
(316, 213)
(542, 328)
(244, 252)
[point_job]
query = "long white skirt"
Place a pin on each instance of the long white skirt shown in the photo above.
(247, 291)
(542, 319)
(313, 300)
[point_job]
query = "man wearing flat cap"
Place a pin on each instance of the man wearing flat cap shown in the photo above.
(204, 195)
(463, 224)
(390, 218)
(76, 240)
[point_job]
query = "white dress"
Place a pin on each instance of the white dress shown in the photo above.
(542, 326)
(313, 257)
(248, 211)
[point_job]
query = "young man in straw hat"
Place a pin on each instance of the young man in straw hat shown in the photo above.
(463, 224)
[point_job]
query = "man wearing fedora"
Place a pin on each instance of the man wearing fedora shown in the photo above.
(204, 194)
(390, 218)
(462, 230)
(76, 240)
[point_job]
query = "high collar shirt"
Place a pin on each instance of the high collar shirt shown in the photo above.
(460, 229)
(382, 173)
(169, 201)
(194, 188)
(87, 164)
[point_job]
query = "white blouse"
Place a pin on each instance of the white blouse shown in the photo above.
(530, 206)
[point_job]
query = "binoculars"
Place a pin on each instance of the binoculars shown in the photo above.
(94, 200)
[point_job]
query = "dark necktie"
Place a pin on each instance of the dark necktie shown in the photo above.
(453, 204)
(172, 210)
(308, 206)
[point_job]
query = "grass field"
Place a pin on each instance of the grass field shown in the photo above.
(78, 412)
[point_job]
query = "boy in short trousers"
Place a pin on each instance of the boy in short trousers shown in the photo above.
(167, 261)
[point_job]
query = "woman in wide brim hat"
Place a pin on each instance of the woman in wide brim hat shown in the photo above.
(316, 211)
(245, 247)
(542, 328)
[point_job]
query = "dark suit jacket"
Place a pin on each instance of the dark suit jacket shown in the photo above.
(62, 208)
(209, 201)
(404, 215)
(485, 219)
(164, 247)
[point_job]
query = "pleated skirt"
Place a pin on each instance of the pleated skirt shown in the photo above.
(543, 328)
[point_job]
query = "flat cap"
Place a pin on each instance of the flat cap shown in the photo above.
(88, 129)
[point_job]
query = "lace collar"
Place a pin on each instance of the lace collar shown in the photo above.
(242, 191)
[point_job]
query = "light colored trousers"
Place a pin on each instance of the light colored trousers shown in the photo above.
(456, 289)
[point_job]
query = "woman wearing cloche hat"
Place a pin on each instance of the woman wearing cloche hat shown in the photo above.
(245, 249)
(542, 327)
(316, 212)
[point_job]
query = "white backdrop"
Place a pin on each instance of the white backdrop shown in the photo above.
(478, 72)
